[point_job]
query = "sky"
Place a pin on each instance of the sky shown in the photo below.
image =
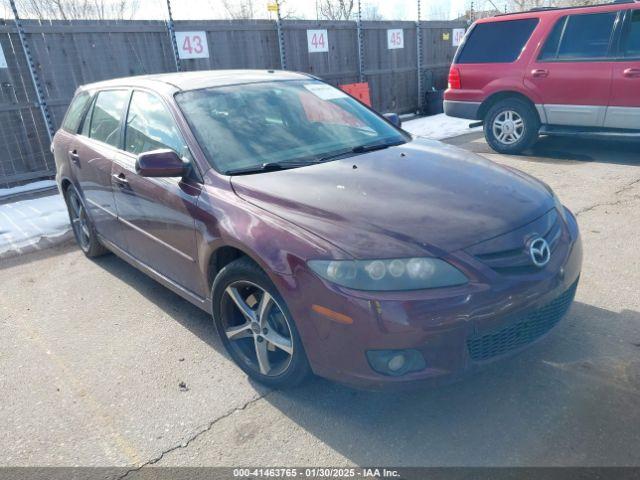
(390, 9)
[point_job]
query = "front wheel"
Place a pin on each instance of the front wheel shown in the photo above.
(256, 327)
(511, 126)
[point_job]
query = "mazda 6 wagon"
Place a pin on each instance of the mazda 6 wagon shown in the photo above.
(321, 237)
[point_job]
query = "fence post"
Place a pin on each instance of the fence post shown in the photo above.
(172, 34)
(419, 55)
(360, 43)
(283, 57)
(44, 109)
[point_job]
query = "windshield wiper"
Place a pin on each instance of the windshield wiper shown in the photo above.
(268, 167)
(370, 147)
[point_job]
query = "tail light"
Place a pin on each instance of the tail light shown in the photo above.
(455, 81)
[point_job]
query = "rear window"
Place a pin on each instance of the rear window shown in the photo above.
(107, 115)
(580, 37)
(497, 42)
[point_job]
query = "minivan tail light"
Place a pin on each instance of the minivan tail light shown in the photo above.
(455, 81)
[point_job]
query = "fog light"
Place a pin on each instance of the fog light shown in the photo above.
(396, 362)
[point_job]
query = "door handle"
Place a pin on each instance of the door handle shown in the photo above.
(75, 158)
(540, 73)
(120, 179)
(632, 73)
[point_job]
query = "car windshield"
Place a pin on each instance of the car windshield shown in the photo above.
(288, 123)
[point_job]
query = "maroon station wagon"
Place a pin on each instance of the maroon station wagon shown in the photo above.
(320, 236)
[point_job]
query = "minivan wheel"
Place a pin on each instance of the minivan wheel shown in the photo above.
(511, 126)
(256, 327)
(83, 228)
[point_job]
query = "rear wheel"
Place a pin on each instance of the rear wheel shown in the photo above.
(81, 224)
(511, 126)
(256, 327)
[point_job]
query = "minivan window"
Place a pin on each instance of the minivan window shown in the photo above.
(302, 122)
(150, 126)
(76, 110)
(107, 114)
(587, 36)
(631, 46)
(497, 42)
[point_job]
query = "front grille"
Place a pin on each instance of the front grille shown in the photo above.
(521, 330)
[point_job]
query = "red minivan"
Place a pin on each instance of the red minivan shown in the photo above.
(564, 71)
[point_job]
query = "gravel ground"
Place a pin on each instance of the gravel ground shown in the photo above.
(92, 356)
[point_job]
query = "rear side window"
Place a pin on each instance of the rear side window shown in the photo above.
(497, 42)
(631, 44)
(150, 126)
(76, 111)
(106, 116)
(580, 37)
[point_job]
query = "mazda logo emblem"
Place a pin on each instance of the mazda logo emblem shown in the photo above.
(539, 252)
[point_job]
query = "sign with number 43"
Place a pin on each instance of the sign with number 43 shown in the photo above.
(192, 45)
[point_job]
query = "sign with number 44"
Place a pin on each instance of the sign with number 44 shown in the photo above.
(318, 41)
(192, 45)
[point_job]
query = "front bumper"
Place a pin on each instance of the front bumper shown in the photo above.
(455, 329)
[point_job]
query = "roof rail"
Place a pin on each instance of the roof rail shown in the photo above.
(546, 9)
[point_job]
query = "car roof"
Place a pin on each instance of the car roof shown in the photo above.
(199, 79)
(560, 11)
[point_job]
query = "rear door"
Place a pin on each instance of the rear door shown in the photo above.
(91, 156)
(624, 109)
(157, 213)
(572, 74)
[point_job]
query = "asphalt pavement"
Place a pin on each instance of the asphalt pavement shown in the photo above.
(101, 366)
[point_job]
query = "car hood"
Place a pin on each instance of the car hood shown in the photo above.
(420, 198)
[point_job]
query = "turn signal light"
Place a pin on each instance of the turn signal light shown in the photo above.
(455, 81)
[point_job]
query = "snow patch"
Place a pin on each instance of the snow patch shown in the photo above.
(29, 187)
(438, 127)
(27, 223)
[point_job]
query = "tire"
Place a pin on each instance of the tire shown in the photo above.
(240, 287)
(516, 116)
(83, 229)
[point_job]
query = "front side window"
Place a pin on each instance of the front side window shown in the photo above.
(302, 121)
(76, 110)
(150, 126)
(587, 37)
(497, 42)
(107, 115)
(631, 43)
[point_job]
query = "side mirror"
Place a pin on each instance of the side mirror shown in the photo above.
(161, 163)
(393, 118)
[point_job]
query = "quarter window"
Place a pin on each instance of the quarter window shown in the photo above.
(76, 110)
(106, 116)
(497, 42)
(631, 46)
(150, 126)
(587, 36)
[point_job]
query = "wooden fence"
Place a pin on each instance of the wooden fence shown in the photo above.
(68, 54)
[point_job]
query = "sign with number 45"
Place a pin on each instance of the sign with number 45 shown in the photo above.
(395, 39)
(192, 45)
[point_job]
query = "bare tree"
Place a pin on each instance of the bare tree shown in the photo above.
(336, 9)
(239, 9)
(371, 13)
(77, 9)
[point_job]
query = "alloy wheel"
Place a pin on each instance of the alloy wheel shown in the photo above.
(79, 220)
(508, 127)
(257, 328)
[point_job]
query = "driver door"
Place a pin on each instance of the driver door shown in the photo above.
(157, 213)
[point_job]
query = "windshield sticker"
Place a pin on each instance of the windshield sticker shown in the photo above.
(325, 92)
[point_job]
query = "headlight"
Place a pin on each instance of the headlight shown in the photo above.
(389, 275)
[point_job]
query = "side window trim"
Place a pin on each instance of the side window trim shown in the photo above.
(611, 54)
(87, 116)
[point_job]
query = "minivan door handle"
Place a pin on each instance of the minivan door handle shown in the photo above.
(540, 73)
(75, 158)
(632, 73)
